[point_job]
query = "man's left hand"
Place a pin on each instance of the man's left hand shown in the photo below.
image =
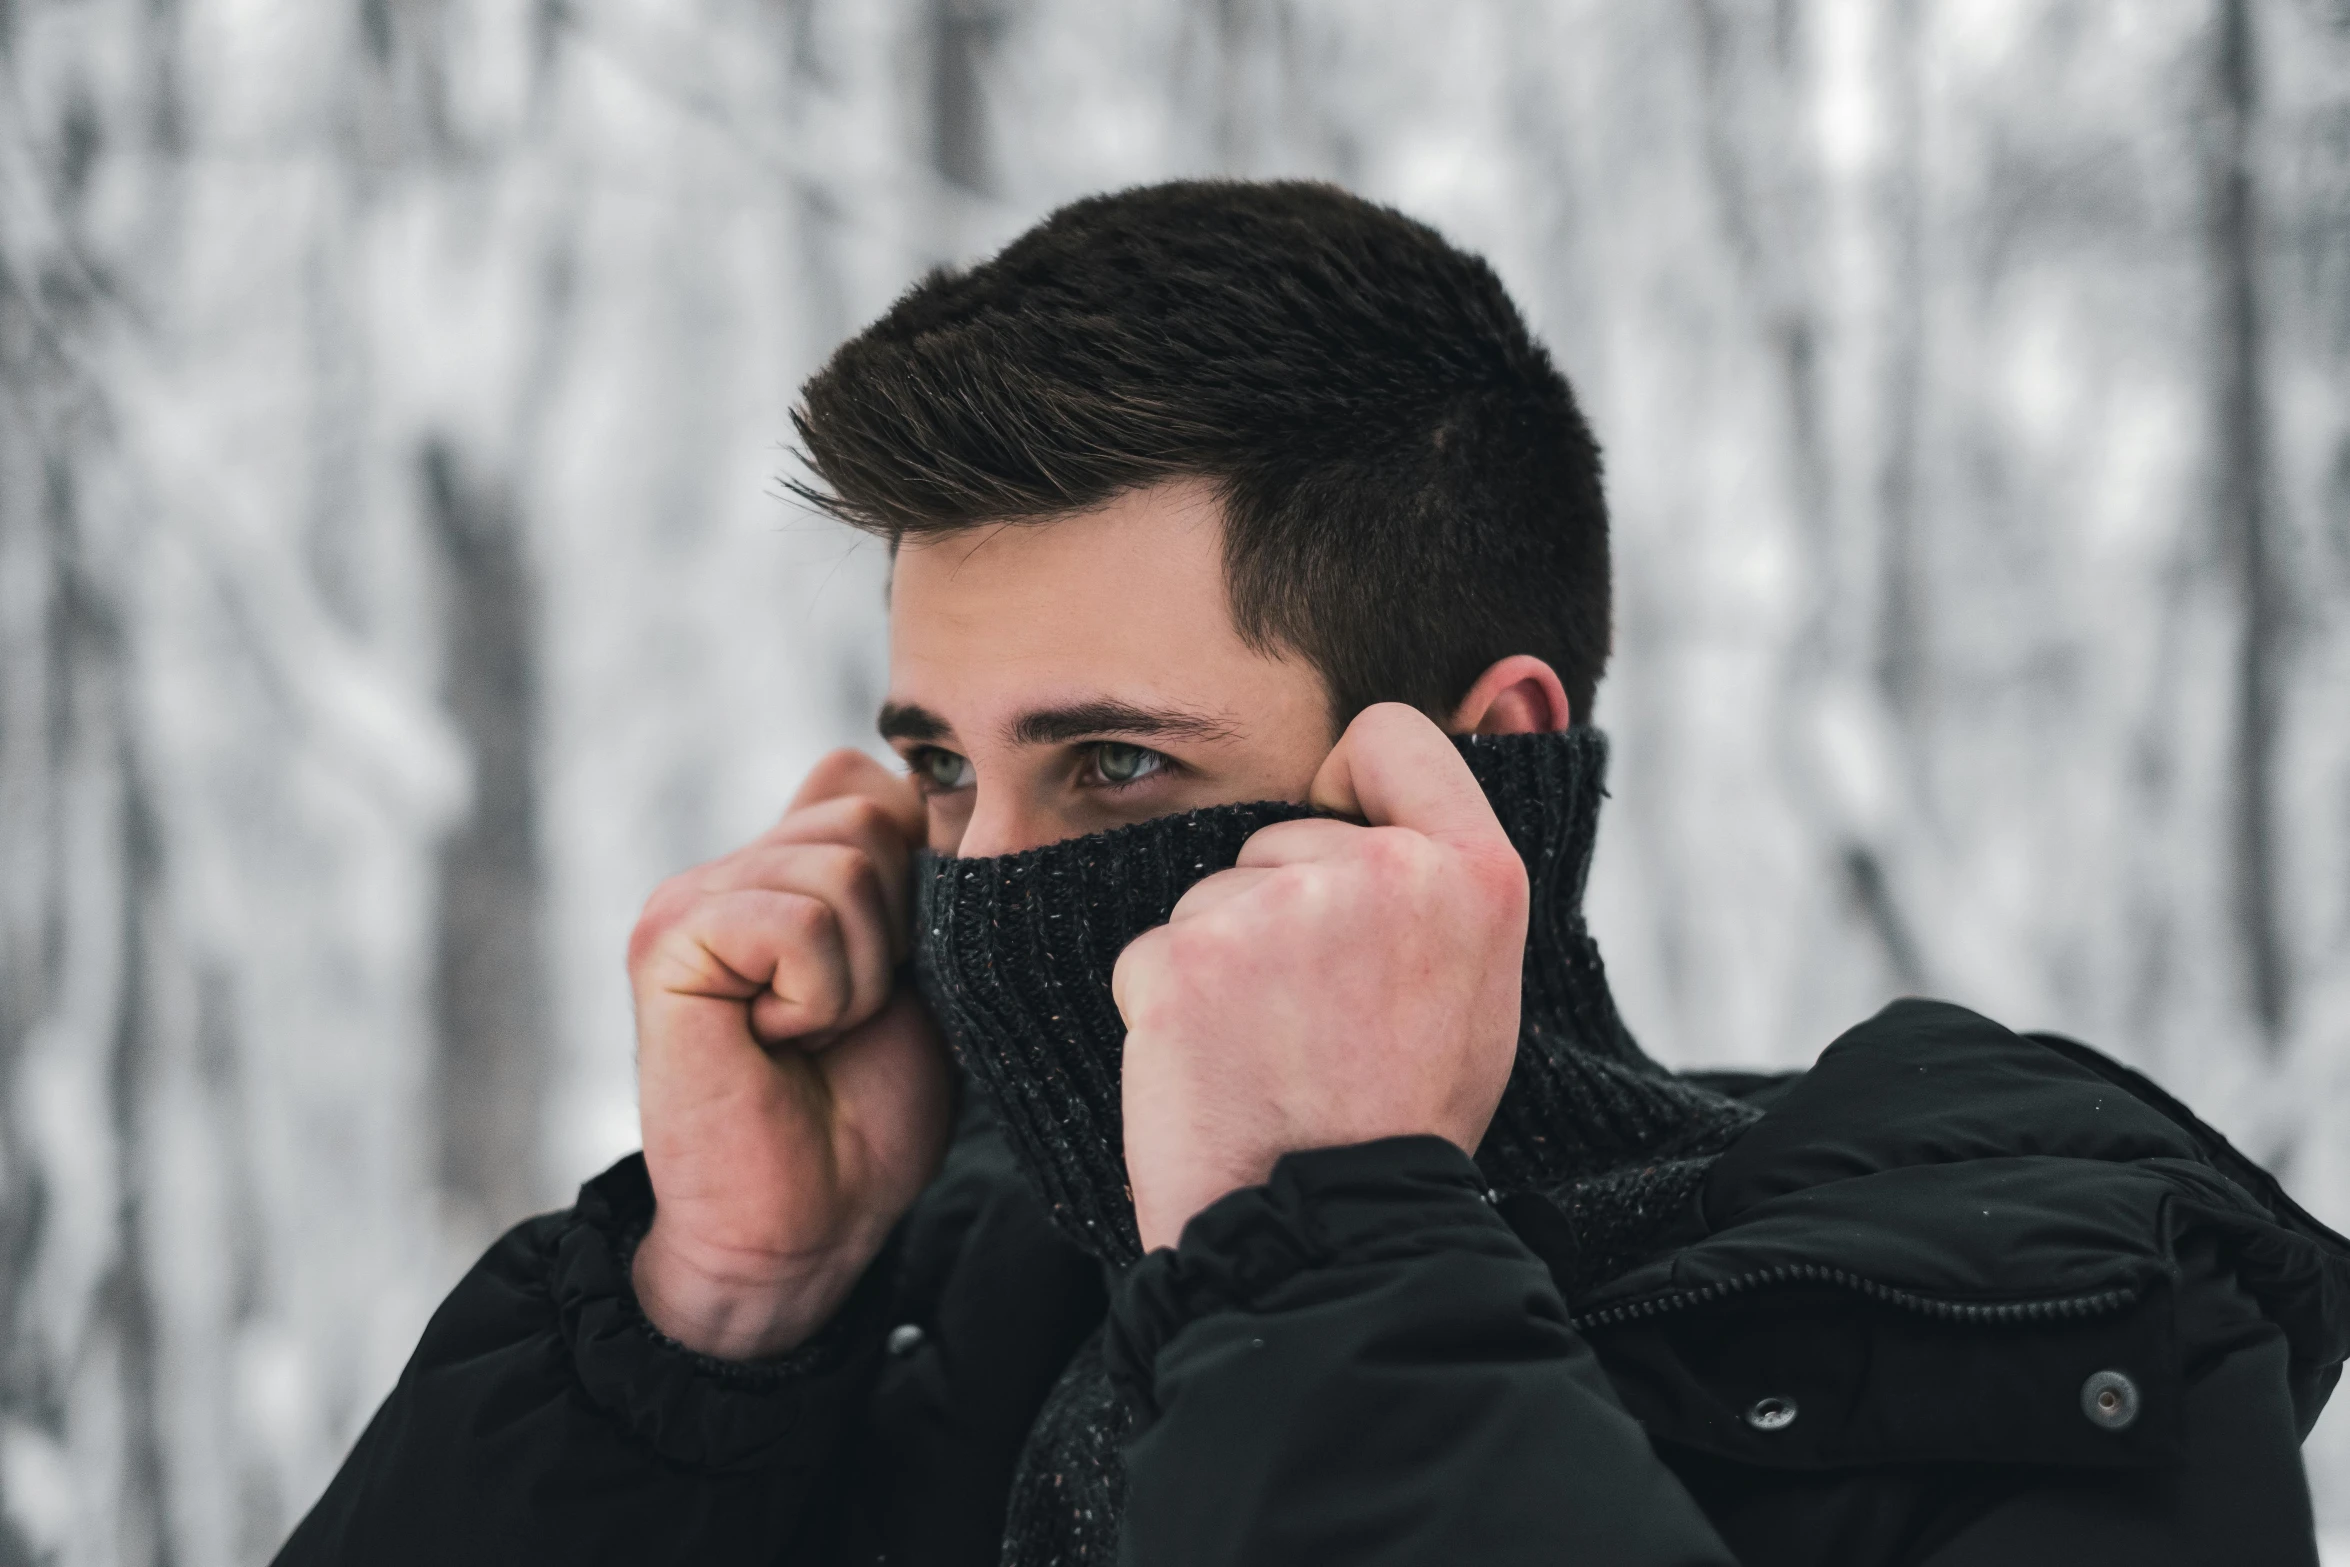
(1342, 983)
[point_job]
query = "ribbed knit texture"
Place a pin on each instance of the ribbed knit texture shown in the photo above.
(1016, 953)
(1015, 956)
(1070, 1489)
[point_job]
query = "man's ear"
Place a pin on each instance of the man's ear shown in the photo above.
(1519, 695)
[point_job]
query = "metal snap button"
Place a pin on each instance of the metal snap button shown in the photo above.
(2110, 1400)
(904, 1339)
(1774, 1413)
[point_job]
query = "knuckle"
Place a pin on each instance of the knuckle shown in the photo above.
(833, 866)
(1502, 872)
(1500, 879)
(1294, 888)
(853, 821)
(836, 769)
(1395, 852)
(1141, 971)
(1203, 943)
(663, 909)
(810, 921)
(863, 815)
(858, 894)
(1134, 978)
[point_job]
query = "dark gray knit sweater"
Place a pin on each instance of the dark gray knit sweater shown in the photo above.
(1015, 956)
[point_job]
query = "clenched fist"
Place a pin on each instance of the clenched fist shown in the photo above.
(794, 1102)
(1341, 983)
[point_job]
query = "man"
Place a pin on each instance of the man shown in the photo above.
(1291, 1191)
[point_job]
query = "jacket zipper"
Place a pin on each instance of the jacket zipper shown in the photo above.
(1974, 1313)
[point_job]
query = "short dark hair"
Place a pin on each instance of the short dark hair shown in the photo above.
(1409, 490)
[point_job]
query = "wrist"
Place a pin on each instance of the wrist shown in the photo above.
(1164, 1204)
(732, 1307)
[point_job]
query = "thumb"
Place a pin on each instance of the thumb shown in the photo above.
(1394, 768)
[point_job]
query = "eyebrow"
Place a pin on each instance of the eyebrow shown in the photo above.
(1084, 720)
(1058, 725)
(911, 721)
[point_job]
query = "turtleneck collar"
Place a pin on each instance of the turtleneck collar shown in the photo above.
(1015, 952)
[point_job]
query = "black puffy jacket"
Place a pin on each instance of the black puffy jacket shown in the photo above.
(1960, 1297)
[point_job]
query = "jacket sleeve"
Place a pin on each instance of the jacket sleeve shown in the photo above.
(543, 1420)
(1361, 1362)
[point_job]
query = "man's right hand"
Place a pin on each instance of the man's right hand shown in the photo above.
(794, 1100)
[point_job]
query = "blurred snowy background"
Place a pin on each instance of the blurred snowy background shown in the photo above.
(393, 583)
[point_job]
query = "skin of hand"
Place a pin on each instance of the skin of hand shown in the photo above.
(1341, 983)
(794, 1099)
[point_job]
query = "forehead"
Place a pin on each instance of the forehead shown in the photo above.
(1129, 596)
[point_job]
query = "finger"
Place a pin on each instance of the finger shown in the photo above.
(845, 880)
(1292, 843)
(1135, 974)
(848, 772)
(864, 823)
(1215, 891)
(1394, 767)
(754, 944)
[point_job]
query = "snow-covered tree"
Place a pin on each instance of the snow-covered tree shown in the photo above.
(394, 582)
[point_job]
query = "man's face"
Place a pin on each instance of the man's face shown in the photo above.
(1053, 679)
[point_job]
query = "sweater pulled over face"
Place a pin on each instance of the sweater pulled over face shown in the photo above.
(1015, 954)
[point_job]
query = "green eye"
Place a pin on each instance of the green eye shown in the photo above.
(941, 769)
(1124, 764)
